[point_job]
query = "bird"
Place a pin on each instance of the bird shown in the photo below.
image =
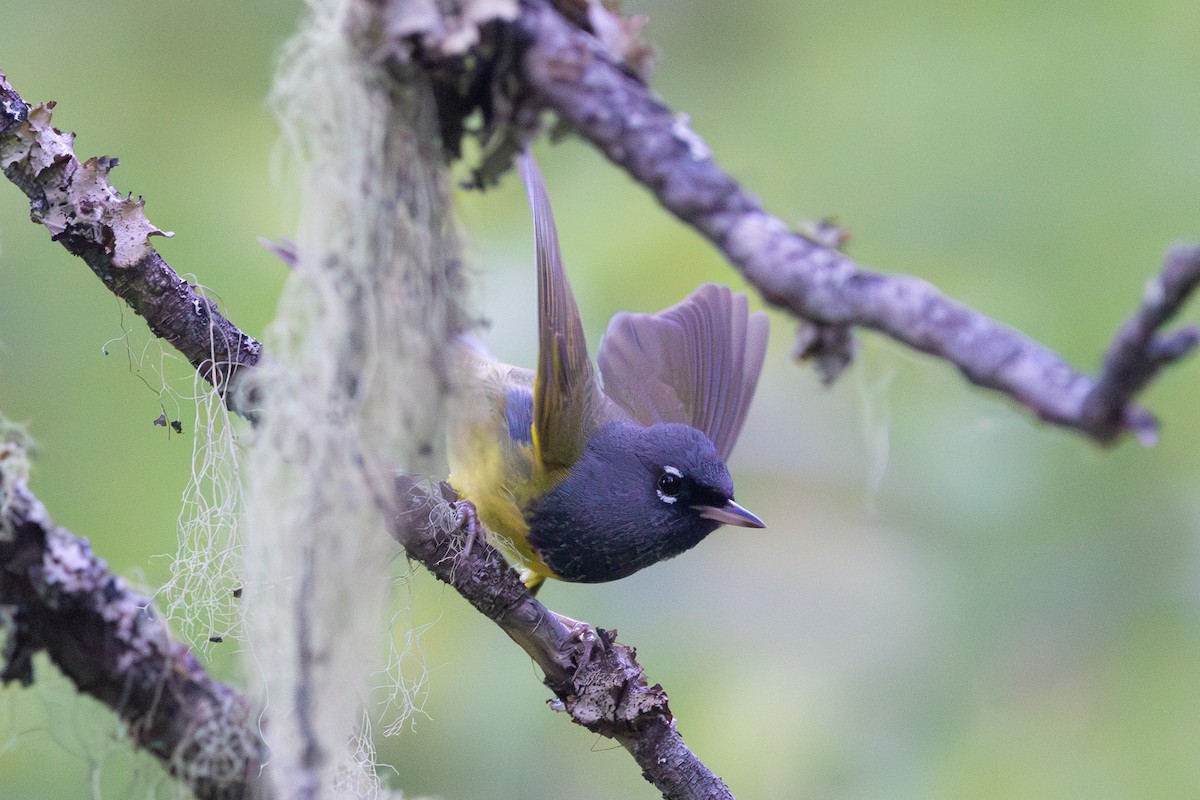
(589, 476)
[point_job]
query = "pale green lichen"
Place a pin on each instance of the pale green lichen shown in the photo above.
(356, 389)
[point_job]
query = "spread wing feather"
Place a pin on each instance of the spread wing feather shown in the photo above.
(564, 381)
(697, 363)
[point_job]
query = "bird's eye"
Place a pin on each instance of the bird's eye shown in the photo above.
(669, 483)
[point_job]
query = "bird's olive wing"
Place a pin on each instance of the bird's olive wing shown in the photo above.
(696, 363)
(564, 382)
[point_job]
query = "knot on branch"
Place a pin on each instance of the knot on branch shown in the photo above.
(831, 348)
(610, 695)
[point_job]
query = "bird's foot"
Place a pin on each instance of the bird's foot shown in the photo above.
(468, 518)
(583, 641)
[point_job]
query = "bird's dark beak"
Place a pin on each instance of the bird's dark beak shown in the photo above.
(730, 514)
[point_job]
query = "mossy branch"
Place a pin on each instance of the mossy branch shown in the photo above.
(60, 598)
(597, 681)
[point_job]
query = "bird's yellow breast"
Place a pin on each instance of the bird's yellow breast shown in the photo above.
(493, 468)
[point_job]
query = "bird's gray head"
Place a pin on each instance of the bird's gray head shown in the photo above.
(638, 495)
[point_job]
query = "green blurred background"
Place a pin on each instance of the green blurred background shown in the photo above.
(951, 600)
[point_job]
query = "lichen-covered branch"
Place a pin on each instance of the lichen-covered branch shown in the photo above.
(92, 220)
(573, 73)
(596, 680)
(58, 597)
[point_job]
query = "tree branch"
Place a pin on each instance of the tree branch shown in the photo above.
(573, 73)
(91, 219)
(68, 604)
(598, 681)
(57, 596)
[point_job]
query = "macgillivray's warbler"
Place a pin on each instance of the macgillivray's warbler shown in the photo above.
(593, 479)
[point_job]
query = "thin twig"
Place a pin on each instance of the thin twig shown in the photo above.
(573, 73)
(1138, 351)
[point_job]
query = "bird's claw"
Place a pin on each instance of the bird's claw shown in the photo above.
(468, 518)
(583, 641)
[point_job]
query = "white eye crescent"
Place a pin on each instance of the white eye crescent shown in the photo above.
(669, 484)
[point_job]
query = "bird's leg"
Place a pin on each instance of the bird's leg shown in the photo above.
(468, 517)
(582, 640)
(533, 581)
